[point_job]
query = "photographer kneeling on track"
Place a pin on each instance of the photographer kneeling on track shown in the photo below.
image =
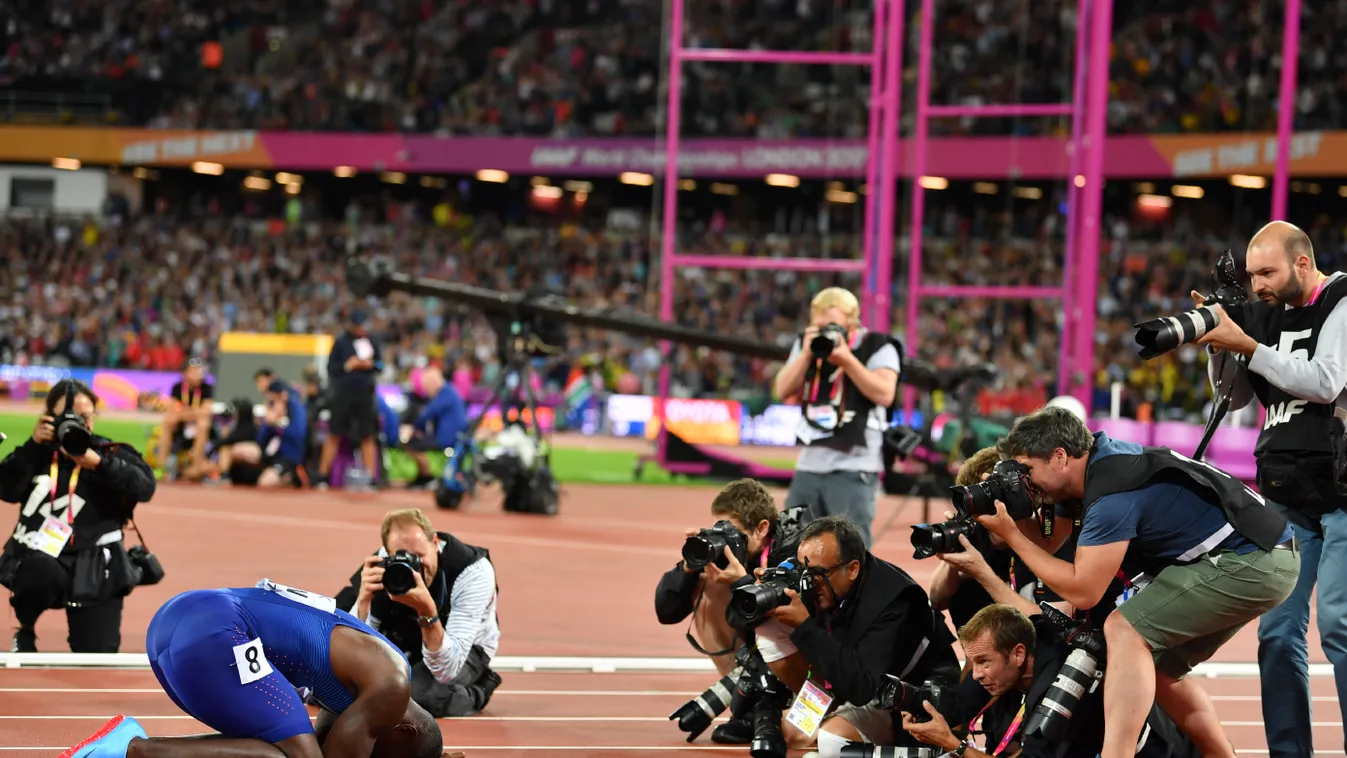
(846, 376)
(1218, 555)
(434, 597)
(1032, 692)
(998, 577)
(78, 490)
(748, 531)
(833, 627)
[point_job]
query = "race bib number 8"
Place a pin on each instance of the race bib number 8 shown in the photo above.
(251, 661)
(303, 597)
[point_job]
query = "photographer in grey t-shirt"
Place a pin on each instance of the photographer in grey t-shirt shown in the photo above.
(844, 388)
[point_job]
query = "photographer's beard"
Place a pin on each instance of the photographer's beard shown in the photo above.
(1291, 292)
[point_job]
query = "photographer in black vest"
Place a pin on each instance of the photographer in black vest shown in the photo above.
(67, 550)
(434, 597)
(1205, 555)
(845, 376)
(1288, 349)
(860, 619)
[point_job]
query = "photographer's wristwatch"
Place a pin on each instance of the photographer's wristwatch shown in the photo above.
(427, 622)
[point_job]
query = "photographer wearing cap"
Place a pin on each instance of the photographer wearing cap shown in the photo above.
(856, 619)
(1010, 697)
(845, 376)
(434, 597)
(1288, 350)
(77, 490)
(998, 577)
(1218, 555)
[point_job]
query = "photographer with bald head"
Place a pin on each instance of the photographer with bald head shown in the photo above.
(1288, 349)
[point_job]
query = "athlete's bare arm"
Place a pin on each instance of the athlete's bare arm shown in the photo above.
(379, 675)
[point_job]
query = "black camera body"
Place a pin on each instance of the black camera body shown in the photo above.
(72, 434)
(827, 339)
(145, 567)
(708, 547)
(754, 601)
(400, 570)
(1008, 482)
(1160, 335)
(896, 695)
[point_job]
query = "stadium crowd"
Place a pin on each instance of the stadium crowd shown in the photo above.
(548, 68)
(156, 290)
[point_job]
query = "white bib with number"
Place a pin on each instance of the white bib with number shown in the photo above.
(809, 708)
(303, 597)
(251, 661)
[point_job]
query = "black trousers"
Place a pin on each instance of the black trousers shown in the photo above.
(42, 583)
(466, 695)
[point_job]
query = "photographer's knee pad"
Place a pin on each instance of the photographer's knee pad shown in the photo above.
(830, 745)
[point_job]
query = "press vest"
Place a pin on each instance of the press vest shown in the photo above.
(1293, 425)
(829, 394)
(1246, 511)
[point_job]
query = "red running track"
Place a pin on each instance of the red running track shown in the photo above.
(44, 712)
(577, 584)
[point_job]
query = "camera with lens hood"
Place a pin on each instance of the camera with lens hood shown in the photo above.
(400, 570)
(754, 601)
(72, 433)
(1160, 335)
(708, 547)
(1080, 675)
(1008, 482)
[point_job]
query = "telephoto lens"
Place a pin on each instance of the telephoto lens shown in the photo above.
(697, 714)
(1079, 675)
(768, 741)
(866, 750)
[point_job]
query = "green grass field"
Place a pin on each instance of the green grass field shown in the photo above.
(570, 465)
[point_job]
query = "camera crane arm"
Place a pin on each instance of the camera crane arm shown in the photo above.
(376, 277)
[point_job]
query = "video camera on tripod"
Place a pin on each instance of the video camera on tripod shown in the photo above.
(527, 326)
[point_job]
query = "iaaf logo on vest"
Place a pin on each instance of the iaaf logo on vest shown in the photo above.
(1280, 413)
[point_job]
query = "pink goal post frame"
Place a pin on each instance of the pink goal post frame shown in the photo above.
(884, 88)
(1088, 111)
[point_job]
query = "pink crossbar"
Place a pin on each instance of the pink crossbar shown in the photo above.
(991, 291)
(724, 55)
(994, 111)
(763, 262)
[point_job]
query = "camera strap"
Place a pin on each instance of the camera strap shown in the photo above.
(975, 726)
(70, 489)
(139, 537)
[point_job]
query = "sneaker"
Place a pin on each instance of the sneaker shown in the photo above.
(25, 641)
(111, 741)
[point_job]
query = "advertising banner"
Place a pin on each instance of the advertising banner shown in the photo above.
(1125, 157)
(699, 421)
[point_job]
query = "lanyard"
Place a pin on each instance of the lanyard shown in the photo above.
(70, 490)
(196, 397)
(1315, 294)
(975, 726)
(812, 389)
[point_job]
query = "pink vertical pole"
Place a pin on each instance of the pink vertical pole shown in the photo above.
(1070, 304)
(918, 153)
(1286, 108)
(668, 239)
(1096, 121)
(1286, 111)
(870, 308)
(887, 189)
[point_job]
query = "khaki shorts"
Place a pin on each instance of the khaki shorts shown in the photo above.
(1188, 612)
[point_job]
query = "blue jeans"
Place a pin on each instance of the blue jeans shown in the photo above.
(1283, 648)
